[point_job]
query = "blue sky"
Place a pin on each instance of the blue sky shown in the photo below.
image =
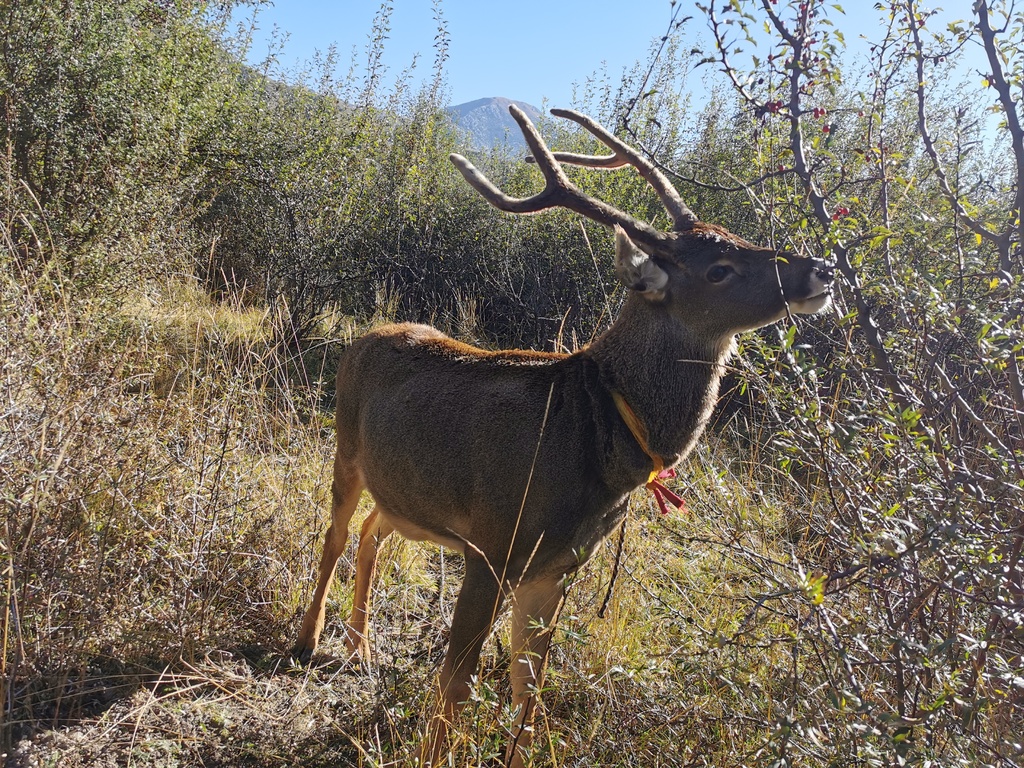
(528, 50)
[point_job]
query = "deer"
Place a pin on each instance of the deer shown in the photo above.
(523, 461)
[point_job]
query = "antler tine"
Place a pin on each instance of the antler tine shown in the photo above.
(558, 190)
(604, 162)
(682, 217)
(556, 187)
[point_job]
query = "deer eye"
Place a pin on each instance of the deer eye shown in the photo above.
(718, 273)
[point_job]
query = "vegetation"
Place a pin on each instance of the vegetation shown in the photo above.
(187, 243)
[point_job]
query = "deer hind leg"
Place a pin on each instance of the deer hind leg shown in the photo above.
(375, 530)
(478, 603)
(535, 607)
(345, 493)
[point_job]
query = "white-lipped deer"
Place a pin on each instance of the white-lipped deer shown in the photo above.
(523, 461)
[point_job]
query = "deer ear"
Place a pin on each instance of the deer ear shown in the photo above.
(636, 270)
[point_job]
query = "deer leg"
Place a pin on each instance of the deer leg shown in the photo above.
(345, 496)
(535, 607)
(375, 530)
(475, 609)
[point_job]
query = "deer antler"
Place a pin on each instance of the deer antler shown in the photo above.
(560, 192)
(682, 217)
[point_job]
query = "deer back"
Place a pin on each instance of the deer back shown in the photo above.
(476, 448)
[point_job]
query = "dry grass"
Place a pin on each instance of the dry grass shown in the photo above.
(157, 464)
(165, 467)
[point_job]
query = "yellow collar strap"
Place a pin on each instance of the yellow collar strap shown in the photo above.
(639, 431)
(662, 495)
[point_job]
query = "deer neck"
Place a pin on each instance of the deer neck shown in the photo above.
(668, 374)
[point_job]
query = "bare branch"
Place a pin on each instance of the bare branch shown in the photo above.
(929, 144)
(727, 67)
(1003, 240)
(1013, 124)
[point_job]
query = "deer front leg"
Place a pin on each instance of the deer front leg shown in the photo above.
(535, 607)
(345, 497)
(375, 530)
(478, 603)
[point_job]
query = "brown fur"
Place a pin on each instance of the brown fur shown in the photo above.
(457, 350)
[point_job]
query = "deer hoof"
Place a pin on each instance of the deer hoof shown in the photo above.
(357, 645)
(302, 655)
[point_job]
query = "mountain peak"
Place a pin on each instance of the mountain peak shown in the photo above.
(488, 122)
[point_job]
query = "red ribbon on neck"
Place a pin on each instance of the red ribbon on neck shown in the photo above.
(663, 495)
